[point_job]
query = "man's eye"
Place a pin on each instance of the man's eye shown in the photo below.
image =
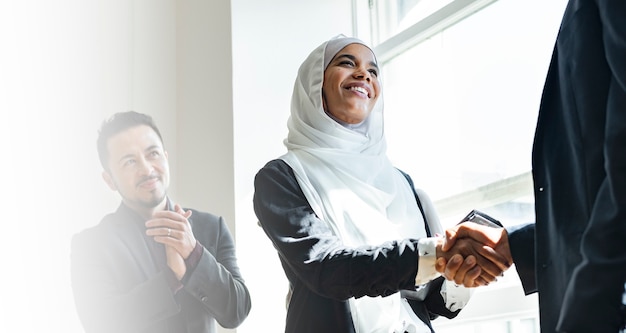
(129, 162)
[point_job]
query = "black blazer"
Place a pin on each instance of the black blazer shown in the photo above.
(120, 285)
(579, 170)
(322, 272)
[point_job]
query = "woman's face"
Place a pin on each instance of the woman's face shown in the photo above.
(351, 86)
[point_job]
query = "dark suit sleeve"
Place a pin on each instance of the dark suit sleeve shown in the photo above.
(317, 257)
(522, 243)
(104, 304)
(599, 279)
(216, 281)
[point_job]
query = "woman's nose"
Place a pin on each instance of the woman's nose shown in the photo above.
(362, 73)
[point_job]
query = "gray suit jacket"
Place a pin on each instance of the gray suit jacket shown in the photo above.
(120, 284)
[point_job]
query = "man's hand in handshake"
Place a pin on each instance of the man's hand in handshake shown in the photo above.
(473, 255)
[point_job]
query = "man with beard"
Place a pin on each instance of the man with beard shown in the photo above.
(152, 266)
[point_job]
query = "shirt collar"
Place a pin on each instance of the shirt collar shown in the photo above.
(132, 214)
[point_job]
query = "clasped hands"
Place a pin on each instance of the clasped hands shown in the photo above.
(473, 255)
(172, 229)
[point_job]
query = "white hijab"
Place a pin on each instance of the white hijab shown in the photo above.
(350, 183)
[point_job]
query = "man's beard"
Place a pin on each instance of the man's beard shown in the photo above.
(153, 202)
(147, 203)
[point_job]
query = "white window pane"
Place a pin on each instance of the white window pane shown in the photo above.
(491, 327)
(461, 107)
(397, 15)
(527, 325)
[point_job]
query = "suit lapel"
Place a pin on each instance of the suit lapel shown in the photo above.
(140, 246)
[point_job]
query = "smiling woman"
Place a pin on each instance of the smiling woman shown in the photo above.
(354, 237)
(351, 87)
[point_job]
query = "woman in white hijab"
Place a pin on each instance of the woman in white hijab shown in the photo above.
(354, 238)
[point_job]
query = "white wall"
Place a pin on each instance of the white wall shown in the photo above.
(204, 106)
(65, 64)
(204, 117)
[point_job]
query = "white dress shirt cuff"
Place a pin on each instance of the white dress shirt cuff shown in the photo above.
(455, 296)
(427, 250)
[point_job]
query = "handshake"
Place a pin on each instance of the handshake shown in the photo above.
(473, 254)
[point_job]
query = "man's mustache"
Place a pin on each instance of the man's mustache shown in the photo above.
(148, 178)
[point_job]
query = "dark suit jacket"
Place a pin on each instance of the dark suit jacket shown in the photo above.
(579, 170)
(120, 285)
(323, 273)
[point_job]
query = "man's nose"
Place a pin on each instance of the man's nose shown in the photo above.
(145, 167)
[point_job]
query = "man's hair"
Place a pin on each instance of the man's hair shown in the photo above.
(118, 123)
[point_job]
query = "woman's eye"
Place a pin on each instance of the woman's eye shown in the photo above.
(346, 62)
(373, 72)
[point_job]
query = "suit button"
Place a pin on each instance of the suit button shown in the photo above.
(541, 189)
(204, 299)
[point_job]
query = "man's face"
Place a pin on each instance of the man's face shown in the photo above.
(138, 167)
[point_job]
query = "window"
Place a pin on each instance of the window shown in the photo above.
(398, 15)
(462, 84)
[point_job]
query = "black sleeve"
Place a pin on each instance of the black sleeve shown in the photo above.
(522, 243)
(315, 255)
